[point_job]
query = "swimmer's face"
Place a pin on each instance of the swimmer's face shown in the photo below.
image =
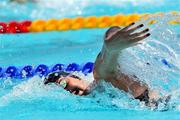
(73, 85)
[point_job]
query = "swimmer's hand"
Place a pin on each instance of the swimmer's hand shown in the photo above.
(119, 39)
(76, 86)
(116, 39)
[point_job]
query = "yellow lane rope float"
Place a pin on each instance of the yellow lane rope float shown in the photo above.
(78, 23)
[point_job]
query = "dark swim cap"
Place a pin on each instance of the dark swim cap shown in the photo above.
(54, 76)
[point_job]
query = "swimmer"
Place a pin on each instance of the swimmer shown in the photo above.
(106, 67)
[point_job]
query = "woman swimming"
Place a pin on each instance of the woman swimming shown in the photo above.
(107, 67)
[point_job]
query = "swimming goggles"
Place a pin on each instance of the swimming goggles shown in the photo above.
(62, 83)
(60, 78)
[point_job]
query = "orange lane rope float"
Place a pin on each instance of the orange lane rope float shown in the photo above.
(76, 23)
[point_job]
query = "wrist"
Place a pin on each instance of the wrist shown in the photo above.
(107, 53)
(110, 49)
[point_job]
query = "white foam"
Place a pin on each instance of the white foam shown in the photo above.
(162, 44)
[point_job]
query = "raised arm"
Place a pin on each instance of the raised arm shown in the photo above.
(106, 64)
(116, 39)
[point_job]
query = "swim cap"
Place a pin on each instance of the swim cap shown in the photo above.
(54, 76)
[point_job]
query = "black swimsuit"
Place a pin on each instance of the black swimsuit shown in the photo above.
(144, 97)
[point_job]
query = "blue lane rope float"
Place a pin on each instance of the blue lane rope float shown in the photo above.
(164, 61)
(42, 70)
(28, 71)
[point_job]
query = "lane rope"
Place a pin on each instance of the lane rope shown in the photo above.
(41, 70)
(28, 71)
(66, 24)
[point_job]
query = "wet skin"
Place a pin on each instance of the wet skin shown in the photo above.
(106, 64)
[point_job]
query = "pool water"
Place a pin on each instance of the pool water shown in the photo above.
(29, 99)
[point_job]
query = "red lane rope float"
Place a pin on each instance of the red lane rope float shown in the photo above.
(15, 27)
(77, 23)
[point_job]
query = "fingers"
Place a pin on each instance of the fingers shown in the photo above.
(126, 28)
(77, 92)
(139, 33)
(117, 33)
(137, 39)
(81, 92)
(73, 92)
(135, 28)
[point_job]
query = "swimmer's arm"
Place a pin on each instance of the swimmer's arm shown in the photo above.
(102, 61)
(115, 40)
(99, 72)
(106, 63)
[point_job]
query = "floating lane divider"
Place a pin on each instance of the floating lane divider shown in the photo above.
(76, 23)
(42, 70)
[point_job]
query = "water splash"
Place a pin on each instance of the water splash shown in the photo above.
(156, 60)
(34, 91)
(146, 64)
(36, 95)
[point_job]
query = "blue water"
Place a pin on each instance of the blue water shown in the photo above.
(30, 99)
